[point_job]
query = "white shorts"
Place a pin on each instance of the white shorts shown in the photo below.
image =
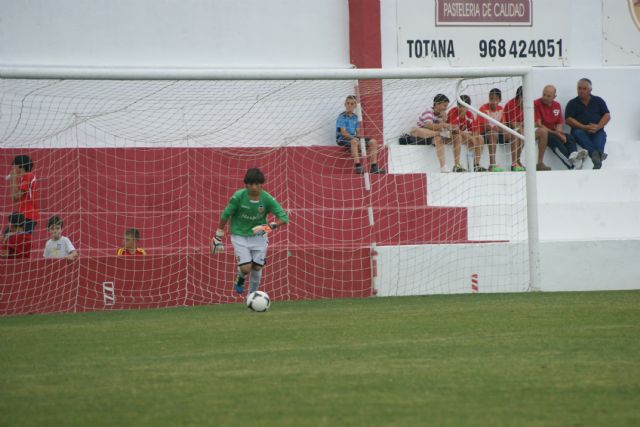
(251, 249)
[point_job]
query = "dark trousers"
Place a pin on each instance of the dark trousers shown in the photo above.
(561, 149)
(590, 141)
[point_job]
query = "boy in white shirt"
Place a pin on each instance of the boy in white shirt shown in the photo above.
(58, 246)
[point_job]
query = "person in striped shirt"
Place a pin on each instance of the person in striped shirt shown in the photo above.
(432, 125)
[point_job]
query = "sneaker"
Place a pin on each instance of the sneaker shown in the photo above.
(542, 167)
(582, 154)
(375, 169)
(238, 286)
(573, 158)
(494, 168)
(597, 160)
(517, 168)
(359, 169)
(479, 168)
(458, 168)
(444, 169)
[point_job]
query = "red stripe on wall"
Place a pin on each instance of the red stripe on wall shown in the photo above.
(365, 52)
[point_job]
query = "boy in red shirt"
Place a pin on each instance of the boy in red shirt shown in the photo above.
(131, 238)
(465, 129)
(549, 120)
(491, 133)
(22, 183)
(16, 243)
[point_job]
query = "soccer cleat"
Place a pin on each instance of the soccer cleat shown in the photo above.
(444, 169)
(458, 168)
(479, 168)
(238, 286)
(542, 167)
(358, 169)
(517, 168)
(494, 168)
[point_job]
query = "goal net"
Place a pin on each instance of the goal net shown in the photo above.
(164, 157)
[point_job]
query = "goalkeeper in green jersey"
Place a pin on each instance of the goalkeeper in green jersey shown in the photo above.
(248, 209)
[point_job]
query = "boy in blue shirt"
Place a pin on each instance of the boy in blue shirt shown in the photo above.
(348, 134)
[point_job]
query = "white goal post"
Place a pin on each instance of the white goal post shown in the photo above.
(209, 75)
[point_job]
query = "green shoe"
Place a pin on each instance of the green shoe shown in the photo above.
(495, 168)
(517, 168)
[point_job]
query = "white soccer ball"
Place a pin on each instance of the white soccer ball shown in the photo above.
(258, 301)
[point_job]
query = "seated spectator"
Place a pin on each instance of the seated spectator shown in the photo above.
(549, 120)
(463, 126)
(16, 243)
(22, 183)
(58, 246)
(348, 135)
(432, 124)
(587, 115)
(131, 239)
(490, 132)
(514, 117)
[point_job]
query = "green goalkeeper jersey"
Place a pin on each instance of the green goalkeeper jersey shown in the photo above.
(246, 213)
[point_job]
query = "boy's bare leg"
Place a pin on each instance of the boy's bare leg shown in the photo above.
(493, 141)
(439, 143)
(354, 149)
(477, 148)
(456, 149)
(373, 146)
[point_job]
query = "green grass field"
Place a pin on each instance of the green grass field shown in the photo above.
(541, 359)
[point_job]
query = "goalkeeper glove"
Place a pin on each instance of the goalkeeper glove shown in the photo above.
(261, 230)
(217, 246)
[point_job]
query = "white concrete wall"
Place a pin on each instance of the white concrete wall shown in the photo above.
(175, 33)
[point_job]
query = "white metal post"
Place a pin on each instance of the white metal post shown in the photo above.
(531, 157)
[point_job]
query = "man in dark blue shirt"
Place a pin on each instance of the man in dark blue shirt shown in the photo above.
(587, 115)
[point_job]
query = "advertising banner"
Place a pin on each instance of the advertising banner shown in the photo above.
(474, 33)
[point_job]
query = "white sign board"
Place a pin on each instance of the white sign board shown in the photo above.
(621, 32)
(474, 33)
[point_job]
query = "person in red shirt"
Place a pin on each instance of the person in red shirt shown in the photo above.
(465, 129)
(131, 238)
(22, 183)
(491, 133)
(16, 243)
(514, 117)
(549, 120)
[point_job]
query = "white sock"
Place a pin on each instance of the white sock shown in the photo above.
(254, 280)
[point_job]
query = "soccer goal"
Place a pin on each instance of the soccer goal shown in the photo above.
(162, 151)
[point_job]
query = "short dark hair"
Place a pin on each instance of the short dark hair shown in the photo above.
(466, 98)
(54, 220)
(352, 98)
(133, 232)
(495, 91)
(519, 92)
(17, 219)
(254, 176)
(440, 98)
(23, 161)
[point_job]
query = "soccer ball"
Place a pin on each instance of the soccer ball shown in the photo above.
(258, 301)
